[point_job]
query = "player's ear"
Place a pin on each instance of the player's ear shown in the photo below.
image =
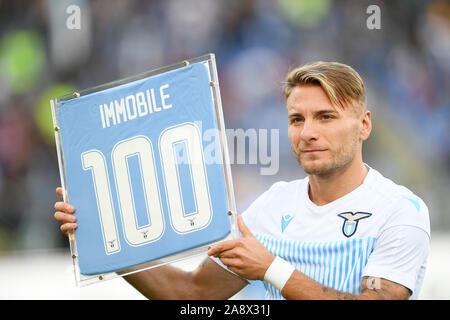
(366, 128)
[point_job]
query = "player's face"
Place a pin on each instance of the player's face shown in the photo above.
(323, 137)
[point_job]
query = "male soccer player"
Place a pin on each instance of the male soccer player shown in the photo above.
(343, 232)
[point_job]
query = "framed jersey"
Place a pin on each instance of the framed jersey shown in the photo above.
(148, 187)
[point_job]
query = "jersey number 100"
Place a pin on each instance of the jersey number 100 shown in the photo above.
(142, 147)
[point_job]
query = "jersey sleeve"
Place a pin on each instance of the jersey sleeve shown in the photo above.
(398, 255)
(409, 210)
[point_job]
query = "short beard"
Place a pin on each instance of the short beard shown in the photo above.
(342, 158)
(326, 170)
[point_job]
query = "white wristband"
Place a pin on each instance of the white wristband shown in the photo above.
(278, 273)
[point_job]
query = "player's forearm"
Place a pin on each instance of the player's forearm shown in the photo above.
(163, 283)
(301, 287)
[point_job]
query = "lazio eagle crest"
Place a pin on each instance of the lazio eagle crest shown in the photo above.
(351, 221)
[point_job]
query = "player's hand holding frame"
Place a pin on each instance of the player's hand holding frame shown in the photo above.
(64, 214)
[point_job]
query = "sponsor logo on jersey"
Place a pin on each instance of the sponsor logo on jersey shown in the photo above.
(285, 220)
(351, 221)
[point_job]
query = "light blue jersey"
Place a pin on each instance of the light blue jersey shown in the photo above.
(335, 264)
(380, 229)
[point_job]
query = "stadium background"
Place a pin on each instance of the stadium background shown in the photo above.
(405, 65)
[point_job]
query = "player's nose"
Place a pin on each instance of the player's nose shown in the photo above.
(309, 131)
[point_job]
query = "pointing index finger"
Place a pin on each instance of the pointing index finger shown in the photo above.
(221, 247)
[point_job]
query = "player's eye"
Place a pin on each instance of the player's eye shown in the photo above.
(326, 117)
(296, 120)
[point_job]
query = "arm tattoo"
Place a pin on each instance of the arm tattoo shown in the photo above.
(372, 288)
(384, 289)
(338, 294)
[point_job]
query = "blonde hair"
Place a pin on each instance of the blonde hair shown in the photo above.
(341, 83)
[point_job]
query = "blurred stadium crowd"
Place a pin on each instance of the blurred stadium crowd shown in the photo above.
(405, 65)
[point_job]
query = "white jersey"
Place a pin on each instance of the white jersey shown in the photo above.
(380, 229)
